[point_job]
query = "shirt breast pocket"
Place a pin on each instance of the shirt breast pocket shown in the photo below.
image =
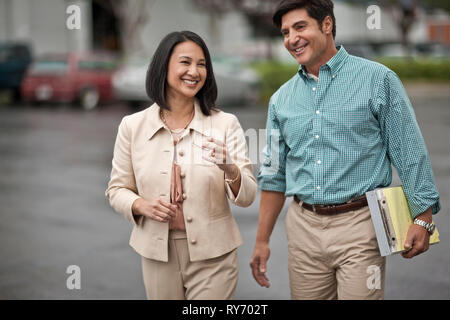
(355, 120)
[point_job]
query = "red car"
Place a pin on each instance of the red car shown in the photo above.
(85, 78)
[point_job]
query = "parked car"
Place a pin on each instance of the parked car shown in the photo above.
(129, 82)
(14, 60)
(84, 78)
(236, 82)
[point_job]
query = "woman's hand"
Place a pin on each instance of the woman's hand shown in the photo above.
(217, 154)
(157, 209)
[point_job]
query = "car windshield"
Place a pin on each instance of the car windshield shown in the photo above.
(5, 53)
(96, 65)
(49, 66)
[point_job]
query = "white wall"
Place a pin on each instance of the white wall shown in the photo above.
(225, 32)
(43, 24)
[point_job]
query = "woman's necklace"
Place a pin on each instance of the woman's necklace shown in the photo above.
(163, 118)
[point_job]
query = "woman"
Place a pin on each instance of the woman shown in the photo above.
(175, 163)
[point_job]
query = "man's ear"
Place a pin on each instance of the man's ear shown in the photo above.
(327, 25)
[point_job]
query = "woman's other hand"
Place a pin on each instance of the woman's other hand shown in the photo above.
(156, 209)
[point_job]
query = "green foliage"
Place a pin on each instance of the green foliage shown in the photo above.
(419, 69)
(274, 74)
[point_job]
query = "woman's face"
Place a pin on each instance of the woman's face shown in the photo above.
(187, 70)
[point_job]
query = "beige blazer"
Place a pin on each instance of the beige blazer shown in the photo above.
(141, 167)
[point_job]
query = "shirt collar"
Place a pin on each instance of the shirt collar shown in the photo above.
(335, 63)
(155, 123)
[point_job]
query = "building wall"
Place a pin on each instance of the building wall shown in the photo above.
(224, 32)
(43, 24)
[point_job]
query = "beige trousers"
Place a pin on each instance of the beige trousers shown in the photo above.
(333, 257)
(180, 279)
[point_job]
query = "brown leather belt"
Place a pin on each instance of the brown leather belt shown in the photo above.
(332, 209)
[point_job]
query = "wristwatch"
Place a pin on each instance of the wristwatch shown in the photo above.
(429, 226)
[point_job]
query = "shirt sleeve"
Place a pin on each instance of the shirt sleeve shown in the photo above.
(238, 152)
(122, 191)
(406, 147)
(272, 173)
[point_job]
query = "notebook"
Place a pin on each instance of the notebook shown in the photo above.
(391, 219)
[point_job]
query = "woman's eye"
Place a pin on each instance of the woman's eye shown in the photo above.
(185, 62)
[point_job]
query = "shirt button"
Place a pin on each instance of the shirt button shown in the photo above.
(314, 89)
(318, 188)
(317, 112)
(317, 136)
(189, 219)
(183, 175)
(334, 76)
(193, 241)
(184, 196)
(181, 153)
(319, 162)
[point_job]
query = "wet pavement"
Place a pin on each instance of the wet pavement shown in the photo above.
(55, 163)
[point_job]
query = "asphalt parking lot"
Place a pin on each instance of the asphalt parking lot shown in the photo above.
(54, 166)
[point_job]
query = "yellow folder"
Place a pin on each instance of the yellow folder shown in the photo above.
(392, 218)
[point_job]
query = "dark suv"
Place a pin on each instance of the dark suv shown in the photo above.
(14, 60)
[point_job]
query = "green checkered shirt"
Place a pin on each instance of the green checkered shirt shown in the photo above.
(334, 140)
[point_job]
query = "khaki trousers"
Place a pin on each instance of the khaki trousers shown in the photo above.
(180, 279)
(333, 257)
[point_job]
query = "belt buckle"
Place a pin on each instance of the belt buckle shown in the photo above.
(314, 208)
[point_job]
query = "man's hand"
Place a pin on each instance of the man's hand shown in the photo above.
(269, 209)
(418, 239)
(258, 264)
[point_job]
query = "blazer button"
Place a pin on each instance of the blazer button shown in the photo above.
(189, 219)
(181, 153)
(184, 196)
(193, 241)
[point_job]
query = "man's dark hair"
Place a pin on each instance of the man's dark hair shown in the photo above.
(156, 80)
(317, 9)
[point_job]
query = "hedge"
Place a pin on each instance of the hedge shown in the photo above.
(274, 74)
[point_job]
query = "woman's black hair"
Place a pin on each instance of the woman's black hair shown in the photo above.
(156, 80)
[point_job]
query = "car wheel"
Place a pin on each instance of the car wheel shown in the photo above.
(89, 98)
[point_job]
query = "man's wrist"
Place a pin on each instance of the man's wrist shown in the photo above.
(426, 216)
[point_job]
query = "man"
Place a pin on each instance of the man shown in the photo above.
(333, 131)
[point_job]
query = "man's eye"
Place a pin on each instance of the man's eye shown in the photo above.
(185, 62)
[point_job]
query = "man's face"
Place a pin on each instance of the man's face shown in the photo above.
(302, 37)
